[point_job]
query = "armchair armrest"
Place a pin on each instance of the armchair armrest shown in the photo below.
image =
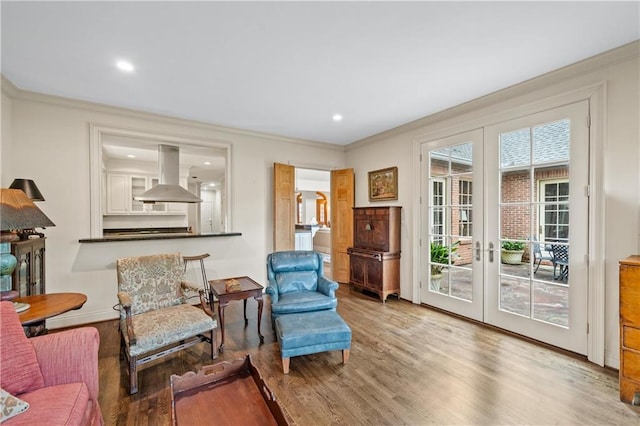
(327, 287)
(69, 356)
(189, 287)
(273, 293)
(125, 303)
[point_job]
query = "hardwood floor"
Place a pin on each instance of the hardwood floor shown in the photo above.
(408, 365)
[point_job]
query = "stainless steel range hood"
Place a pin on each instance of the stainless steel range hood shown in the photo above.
(168, 190)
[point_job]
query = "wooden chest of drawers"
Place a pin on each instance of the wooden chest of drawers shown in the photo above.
(375, 257)
(630, 328)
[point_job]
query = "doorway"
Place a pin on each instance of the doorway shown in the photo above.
(330, 227)
(511, 189)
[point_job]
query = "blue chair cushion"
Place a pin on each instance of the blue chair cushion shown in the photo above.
(312, 332)
(288, 261)
(296, 281)
(306, 301)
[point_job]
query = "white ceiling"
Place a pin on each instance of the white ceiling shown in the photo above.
(286, 67)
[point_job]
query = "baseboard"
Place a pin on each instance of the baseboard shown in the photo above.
(612, 359)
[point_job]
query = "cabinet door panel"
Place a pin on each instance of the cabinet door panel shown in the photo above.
(374, 274)
(358, 270)
(118, 194)
(379, 238)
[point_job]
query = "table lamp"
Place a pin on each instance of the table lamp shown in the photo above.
(29, 187)
(17, 214)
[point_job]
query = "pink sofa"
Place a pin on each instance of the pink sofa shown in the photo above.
(57, 374)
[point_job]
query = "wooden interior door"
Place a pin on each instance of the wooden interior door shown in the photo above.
(342, 202)
(284, 207)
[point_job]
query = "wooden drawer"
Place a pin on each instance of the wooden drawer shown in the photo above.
(630, 364)
(630, 294)
(631, 338)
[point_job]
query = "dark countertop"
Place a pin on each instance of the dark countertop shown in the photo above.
(156, 236)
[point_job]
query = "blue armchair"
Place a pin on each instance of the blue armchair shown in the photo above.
(297, 283)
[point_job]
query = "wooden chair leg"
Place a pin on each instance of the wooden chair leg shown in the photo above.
(214, 343)
(133, 375)
(285, 365)
(345, 355)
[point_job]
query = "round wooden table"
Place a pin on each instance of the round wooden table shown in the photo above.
(43, 306)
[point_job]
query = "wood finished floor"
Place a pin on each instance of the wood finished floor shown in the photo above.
(409, 365)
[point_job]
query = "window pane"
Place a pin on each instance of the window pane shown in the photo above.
(461, 158)
(551, 142)
(515, 148)
(516, 186)
(439, 162)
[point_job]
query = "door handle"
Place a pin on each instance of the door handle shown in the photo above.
(491, 252)
(478, 251)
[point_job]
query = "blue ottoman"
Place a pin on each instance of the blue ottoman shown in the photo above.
(312, 332)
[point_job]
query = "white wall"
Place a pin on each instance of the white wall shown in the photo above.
(47, 139)
(619, 70)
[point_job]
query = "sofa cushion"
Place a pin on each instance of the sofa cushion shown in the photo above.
(296, 281)
(303, 302)
(10, 405)
(66, 404)
(19, 369)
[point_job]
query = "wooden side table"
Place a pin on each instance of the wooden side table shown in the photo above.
(248, 288)
(43, 306)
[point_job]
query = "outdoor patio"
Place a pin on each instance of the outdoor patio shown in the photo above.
(549, 300)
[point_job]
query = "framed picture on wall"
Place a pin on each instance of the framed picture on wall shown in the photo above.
(383, 184)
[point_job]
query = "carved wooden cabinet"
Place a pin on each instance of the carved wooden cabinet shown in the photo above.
(630, 328)
(28, 277)
(375, 256)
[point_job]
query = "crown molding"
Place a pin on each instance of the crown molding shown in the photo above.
(14, 92)
(615, 56)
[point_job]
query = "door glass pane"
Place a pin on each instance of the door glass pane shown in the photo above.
(534, 217)
(462, 282)
(515, 148)
(439, 162)
(551, 142)
(451, 220)
(515, 186)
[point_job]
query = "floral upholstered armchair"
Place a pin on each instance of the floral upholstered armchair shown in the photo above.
(297, 283)
(155, 319)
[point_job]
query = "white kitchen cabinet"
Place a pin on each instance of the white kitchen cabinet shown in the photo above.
(120, 193)
(303, 241)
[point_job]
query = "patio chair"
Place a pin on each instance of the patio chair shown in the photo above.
(539, 254)
(560, 261)
(155, 320)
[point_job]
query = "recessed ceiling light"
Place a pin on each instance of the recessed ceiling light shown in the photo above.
(125, 66)
(131, 156)
(337, 117)
(207, 163)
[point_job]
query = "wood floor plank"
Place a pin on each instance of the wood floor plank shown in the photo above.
(409, 365)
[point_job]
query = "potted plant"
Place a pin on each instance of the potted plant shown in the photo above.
(512, 252)
(439, 259)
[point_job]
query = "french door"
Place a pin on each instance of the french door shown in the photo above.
(525, 191)
(453, 224)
